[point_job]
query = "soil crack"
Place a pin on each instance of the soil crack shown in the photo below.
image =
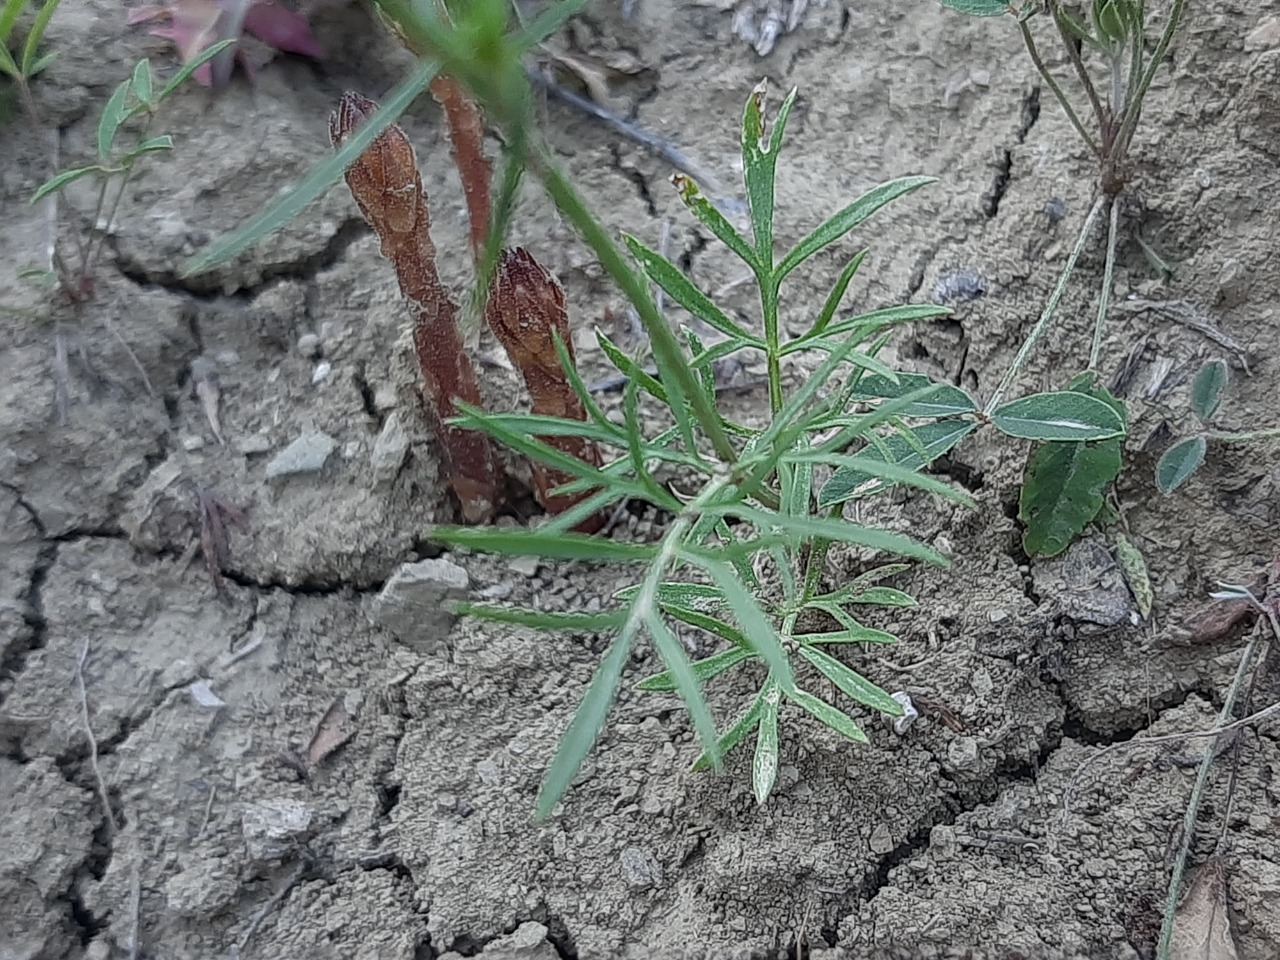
(1004, 169)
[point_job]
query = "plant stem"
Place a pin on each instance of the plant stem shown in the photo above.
(661, 338)
(1057, 90)
(1104, 296)
(769, 312)
(1193, 805)
(1073, 54)
(1134, 109)
(1049, 309)
(1246, 437)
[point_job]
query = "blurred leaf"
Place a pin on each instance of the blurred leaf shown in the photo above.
(191, 66)
(1207, 387)
(561, 546)
(872, 463)
(322, 176)
(832, 303)
(764, 765)
(1134, 567)
(142, 88)
(152, 145)
(863, 325)
(686, 683)
(544, 619)
(60, 180)
(759, 165)
(703, 670)
(847, 219)
(587, 721)
(835, 530)
(695, 596)
(1178, 463)
(1064, 415)
(936, 439)
(883, 597)
(30, 65)
(756, 625)
(631, 369)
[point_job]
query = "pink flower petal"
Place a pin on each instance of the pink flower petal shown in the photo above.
(281, 28)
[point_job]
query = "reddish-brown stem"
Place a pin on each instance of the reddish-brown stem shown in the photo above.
(386, 186)
(526, 310)
(466, 134)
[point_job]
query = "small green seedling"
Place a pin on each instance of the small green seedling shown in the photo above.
(1178, 463)
(20, 63)
(136, 98)
(1063, 488)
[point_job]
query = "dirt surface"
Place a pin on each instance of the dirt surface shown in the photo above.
(415, 839)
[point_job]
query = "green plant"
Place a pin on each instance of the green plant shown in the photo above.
(1177, 464)
(1114, 34)
(134, 98)
(29, 61)
(749, 500)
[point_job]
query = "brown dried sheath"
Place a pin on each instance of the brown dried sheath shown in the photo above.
(466, 138)
(386, 186)
(525, 306)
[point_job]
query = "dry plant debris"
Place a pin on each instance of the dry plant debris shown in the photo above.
(386, 186)
(1202, 925)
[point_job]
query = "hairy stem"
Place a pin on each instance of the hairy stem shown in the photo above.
(1104, 296)
(1069, 43)
(1049, 308)
(1134, 111)
(1049, 79)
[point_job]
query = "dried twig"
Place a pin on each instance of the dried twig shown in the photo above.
(1190, 315)
(388, 190)
(290, 882)
(526, 312)
(215, 513)
(93, 742)
(135, 911)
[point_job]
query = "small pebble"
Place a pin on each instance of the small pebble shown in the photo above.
(257, 443)
(307, 454)
(309, 345)
(525, 566)
(191, 443)
(322, 370)
(1055, 209)
(959, 286)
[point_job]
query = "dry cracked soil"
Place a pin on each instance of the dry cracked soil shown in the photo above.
(153, 803)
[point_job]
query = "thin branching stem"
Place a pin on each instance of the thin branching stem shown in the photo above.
(1049, 79)
(1100, 111)
(1247, 437)
(1134, 111)
(1049, 308)
(1104, 296)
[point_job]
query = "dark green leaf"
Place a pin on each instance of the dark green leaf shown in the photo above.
(630, 368)
(853, 685)
(561, 546)
(1178, 463)
(833, 718)
(113, 115)
(847, 219)
(936, 439)
(947, 401)
(703, 670)
(756, 625)
(854, 634)
(874, 465)
(142, 82)
(835, 530)
(764, 765)
(832, 303)
(713, 219)
(152, 145)
(545, 619)
(587, 721)
(979, 8)
(579, 388)
(694, 596)
(322, 176)
(60, 180)
(883, 597)
(668, 276)
(1065, 483)
(30, 66)
(1207, 387)
(759, 164)
(1065, 415)
(192, 65)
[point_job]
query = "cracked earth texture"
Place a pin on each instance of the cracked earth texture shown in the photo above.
(415, 840)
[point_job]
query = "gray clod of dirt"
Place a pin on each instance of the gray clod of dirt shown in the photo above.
(307, 454)
(273, 829)
(1087, 583)
(528, 942)
(640, 868)
(412, 604)
(959, 286)
(389, 449)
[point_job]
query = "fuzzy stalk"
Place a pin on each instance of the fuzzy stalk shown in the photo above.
(387, 187)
